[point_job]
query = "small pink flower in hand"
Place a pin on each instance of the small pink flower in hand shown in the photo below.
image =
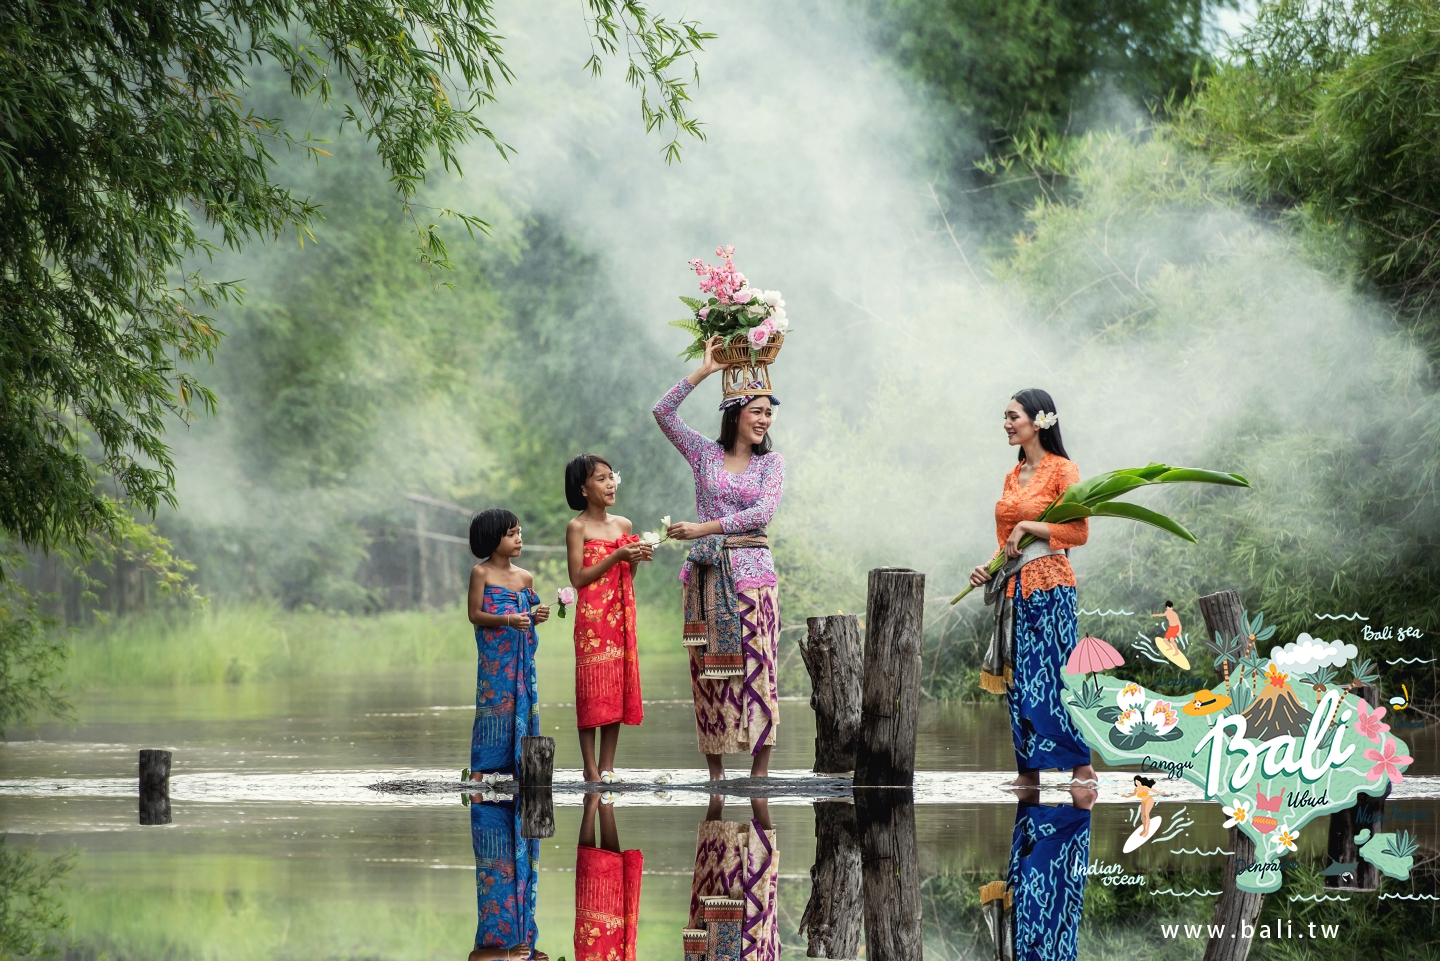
(1368, 723)
(1387, 762)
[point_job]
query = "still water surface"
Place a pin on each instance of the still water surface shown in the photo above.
(395, 878)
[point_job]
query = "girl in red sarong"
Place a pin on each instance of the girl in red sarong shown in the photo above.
(607, 889)
(603, 556)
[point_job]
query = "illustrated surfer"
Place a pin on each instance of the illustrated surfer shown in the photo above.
(1167, 644)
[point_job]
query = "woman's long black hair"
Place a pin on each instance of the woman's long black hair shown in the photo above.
(730, 428)
(1034, 400)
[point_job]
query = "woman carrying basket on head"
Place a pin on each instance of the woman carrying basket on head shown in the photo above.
(732, 615)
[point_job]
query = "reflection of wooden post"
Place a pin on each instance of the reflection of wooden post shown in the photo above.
(1344, 825)
(833, 659)
(154, 787)
(832, 916)
(537, 812)
(891, 872)
(1237, 910)
(894, 619)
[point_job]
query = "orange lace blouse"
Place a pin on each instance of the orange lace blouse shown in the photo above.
(1017, 504)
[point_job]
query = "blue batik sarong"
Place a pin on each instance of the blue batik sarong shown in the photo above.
(507, 874)
(1045, 634)
(507, 705)
(1049, 854)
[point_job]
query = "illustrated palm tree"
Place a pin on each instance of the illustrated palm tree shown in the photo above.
(1252, 664)
(1319, 679)
(1362, 672)
(1227, 652)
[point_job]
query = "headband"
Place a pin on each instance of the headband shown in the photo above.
(743, 399)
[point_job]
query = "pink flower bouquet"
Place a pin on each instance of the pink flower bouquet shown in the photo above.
(734, 309)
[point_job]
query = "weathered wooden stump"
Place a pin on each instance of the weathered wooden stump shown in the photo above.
(1237, 910)
(890, 702)
(537, 762)
(1368, 812)
(537, 812)
(834, 659)
(154, 787)
(890, 869)
(833, 915)
(1223, 612)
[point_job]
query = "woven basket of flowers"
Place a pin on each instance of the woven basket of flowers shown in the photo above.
(751, 320)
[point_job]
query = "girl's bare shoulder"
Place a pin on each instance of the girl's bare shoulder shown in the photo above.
(524, 577)
(622, 522)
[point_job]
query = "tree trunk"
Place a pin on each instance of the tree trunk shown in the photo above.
(833, 914)
(1237, 910)
(894, 619)
(537, 762)
(834, 660)
(891, 872)
(1367, 812)
(154, 787)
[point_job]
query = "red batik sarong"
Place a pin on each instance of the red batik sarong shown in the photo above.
(607, 664)
(607, 904)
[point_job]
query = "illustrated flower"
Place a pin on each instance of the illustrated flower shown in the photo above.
(1130, 696)
(1045, 421)
(1368, 723)
(1128, 720)
(1387, 762)
(1162, 715)
(564, 597)
(759, 334)
(742, 296)
(1286, 838)
(1238, 814)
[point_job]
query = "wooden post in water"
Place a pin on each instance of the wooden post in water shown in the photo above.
(890, 701)
(891, 875)
(833, 915)
(154, 787)
(1235, 909)
(536, 774)
(834, 660)
(1344, 825)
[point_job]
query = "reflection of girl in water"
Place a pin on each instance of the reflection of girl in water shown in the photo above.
(507, 870)
(607, 889)
(1145, 792)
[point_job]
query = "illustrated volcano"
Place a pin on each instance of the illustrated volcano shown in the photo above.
(1276, 710)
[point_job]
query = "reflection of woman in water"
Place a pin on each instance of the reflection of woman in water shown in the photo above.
(1042, 585)
(1146, 793)
(607, 889)
(1049, 854)
(507, 870)
(732, 896)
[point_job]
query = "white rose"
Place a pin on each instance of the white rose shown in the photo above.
(779, 321)
(756, 310)
(772, 297)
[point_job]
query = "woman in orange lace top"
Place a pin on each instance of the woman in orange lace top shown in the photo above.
(1045, 624)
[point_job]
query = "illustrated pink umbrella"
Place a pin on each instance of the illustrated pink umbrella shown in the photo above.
(1091, 656)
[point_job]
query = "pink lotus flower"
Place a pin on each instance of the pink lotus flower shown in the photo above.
(759, 334)
(1368, 724)
(1387, 762)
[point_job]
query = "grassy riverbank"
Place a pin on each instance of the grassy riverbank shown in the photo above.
(245, 642)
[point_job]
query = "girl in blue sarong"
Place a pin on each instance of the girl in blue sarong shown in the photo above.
(507, 874)
(504, 608)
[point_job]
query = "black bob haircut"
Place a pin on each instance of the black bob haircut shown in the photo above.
(1034, 400)
(730, 427)
(577, 472)
(487, 528)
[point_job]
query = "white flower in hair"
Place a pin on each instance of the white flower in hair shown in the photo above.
(1046, 421)
(617, 478)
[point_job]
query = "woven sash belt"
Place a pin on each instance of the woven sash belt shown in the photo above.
(997, 670)
(712, 605)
